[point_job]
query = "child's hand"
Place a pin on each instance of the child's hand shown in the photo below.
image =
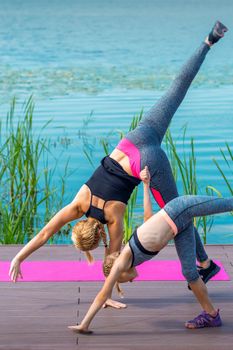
(114, 304)
(80, 329)
(145, 175)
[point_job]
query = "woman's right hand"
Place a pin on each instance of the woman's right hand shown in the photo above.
(15, 271)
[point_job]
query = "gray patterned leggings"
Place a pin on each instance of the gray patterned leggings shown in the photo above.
(147, 137)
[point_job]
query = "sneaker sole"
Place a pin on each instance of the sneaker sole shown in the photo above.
(207, 326)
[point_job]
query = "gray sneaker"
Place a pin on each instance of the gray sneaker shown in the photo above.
(217, 32)
(208, 273)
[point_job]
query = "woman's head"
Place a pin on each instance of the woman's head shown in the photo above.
(86, 236)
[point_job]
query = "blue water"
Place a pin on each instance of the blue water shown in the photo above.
(113, 58)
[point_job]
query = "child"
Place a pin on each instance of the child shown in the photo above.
(149, 239)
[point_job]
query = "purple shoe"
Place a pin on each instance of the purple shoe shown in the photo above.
(204, 320)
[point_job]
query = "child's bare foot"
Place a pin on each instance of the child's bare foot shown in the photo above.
(80, 329)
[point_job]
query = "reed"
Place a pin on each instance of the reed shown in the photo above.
(184, 167)
(227, 157)
(22, 197)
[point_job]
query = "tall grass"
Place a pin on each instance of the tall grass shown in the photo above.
(22, 197)
(227, 156)
(184, 167)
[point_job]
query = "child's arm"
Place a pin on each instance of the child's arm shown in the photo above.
(145, 177)
(121, 264)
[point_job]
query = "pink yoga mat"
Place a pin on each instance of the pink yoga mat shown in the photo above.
(69, 271)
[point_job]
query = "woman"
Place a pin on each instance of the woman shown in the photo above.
(104, 197)
(149, 239)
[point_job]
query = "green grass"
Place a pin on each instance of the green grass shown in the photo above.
(184, 167)
(227, 157)
(22, 197)
(29, 197)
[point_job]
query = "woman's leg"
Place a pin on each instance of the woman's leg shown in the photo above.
(152, 129)
(160, 115)
(163, 188)
(148, 136)
(185, 246)
(183, 209)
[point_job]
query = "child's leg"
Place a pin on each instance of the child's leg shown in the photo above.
(160, 115)
(183, 209)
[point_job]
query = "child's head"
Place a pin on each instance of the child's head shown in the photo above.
(127, 274)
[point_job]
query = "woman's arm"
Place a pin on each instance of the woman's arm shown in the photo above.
(145, 177)
(115, 216)
(70, 212)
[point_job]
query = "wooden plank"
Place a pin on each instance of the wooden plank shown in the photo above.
(36, 315)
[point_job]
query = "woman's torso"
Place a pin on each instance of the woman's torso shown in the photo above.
(96, 205)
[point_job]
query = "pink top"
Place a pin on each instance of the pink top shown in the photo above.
(133, 153)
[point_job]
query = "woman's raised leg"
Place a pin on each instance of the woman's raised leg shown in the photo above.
(160, 115)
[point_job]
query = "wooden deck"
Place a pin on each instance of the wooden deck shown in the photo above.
(35, 315)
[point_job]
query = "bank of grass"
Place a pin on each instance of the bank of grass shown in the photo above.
(23, 198)
(29, 197)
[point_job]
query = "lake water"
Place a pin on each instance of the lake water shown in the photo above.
(111, 59)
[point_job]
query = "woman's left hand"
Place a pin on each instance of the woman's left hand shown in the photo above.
(114, 304)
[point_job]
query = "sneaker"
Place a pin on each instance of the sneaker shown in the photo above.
(204, 320)
(217, 32)
(207, 273)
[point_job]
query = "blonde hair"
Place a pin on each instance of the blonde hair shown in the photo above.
(108, 263)
(86, 236)
(109, 260)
